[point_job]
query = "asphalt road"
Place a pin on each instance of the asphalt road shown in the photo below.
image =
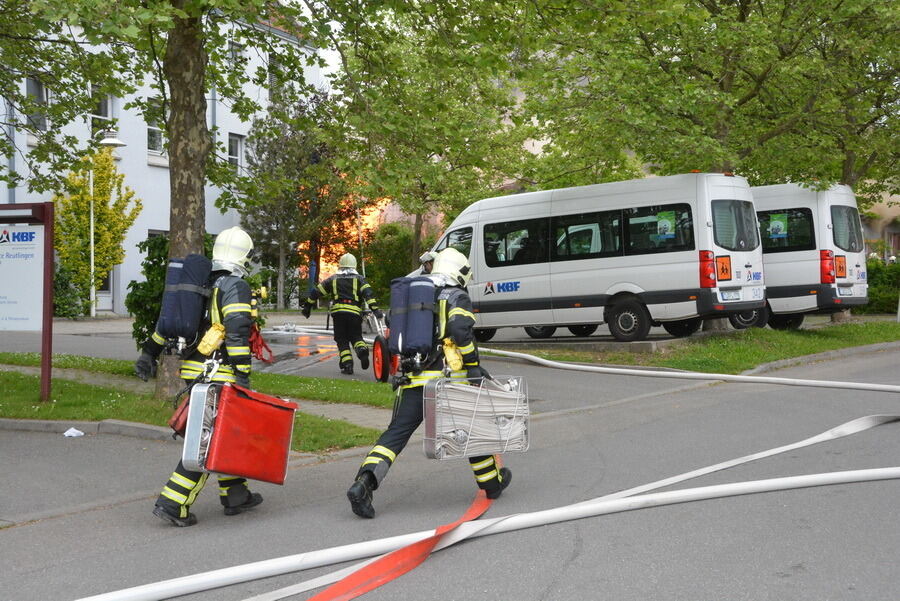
(837, 542)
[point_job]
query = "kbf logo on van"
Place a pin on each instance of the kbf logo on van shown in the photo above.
(491, 287)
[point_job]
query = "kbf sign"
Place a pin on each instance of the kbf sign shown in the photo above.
(21, 277)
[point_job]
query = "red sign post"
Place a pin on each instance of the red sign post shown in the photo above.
(39, 213)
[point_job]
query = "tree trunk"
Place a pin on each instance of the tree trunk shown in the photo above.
(279, 298)
(417, 240)
(841, 316)
(184, 66)
(718, 324)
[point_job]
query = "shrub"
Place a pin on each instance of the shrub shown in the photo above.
(884, 287)
(68, 299)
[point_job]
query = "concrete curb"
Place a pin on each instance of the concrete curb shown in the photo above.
(856, 350)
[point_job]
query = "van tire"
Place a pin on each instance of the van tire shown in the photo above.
(756, 318)
(628, 320)
(540, 331)
(584, 330)
(484, 334)
(683, 327)
(788, 321)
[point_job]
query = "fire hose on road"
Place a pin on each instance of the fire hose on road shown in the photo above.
(627, 500)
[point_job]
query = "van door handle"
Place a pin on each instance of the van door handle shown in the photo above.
(748, 266)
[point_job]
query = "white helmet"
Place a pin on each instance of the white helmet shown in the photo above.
(347, 261)
(231, 252)
(453, 264)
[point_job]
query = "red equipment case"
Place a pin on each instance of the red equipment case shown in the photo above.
(251, 436)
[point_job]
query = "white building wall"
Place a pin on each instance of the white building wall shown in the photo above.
(147, 174)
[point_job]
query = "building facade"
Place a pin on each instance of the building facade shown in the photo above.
(145, 165)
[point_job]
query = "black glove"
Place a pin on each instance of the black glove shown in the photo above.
(145, 366)
(477, 372)
(378, 313)
(306, 310)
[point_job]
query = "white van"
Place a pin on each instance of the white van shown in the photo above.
(814, 254)
(662, 250)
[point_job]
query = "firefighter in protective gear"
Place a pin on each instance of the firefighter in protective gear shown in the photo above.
(456, 321)
(426, 260)
(350, 292)
(228, 311)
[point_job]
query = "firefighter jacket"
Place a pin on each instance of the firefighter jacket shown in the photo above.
(349, 292)
(229, 305)
(455, 320)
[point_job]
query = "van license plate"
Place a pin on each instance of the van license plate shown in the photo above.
(728, 295)
(848, 291)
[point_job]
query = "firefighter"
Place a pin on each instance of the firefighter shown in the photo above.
(350, 292)
(426, 260)
(454, 320)
(229, 305)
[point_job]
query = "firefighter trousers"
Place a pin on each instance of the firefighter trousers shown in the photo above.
(347, 335)
(408, 414)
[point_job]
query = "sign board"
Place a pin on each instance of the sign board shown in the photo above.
(21, 277)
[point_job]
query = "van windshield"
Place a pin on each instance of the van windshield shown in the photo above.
(847, 231)
(734, 225)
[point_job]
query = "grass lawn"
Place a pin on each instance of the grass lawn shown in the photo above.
(739, 351)
(298, 387)
(83, 402)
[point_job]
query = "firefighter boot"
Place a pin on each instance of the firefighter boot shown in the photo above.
(363, 354)
(505, 479)
(360, 495)
(253, 499)
(164, 513)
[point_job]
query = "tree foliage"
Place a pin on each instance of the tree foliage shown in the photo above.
(114, 207)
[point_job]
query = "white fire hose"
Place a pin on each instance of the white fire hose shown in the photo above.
(616, 502)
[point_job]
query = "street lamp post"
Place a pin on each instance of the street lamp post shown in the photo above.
(110, 140)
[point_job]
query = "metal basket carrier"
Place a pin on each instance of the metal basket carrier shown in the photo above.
(476, 417)
(200, 422)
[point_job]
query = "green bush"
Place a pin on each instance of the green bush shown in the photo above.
(388, 256)
(884, 287)
(145, 298)
(68, 299)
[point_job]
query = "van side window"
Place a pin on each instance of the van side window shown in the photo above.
(587, 235)
(847, 231)
(658, 228)
(516, 242)
(787, 230)
(460, 239)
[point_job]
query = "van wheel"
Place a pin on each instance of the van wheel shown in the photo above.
(628, 320)
(484, 334)
(540, 331)
(790, 321)
(757, 318)
(683, 327)
(585, 330)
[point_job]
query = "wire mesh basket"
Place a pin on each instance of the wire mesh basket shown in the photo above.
(475, 417)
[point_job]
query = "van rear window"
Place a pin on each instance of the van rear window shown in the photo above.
(734, 225)
(787, 230)
(847, 230)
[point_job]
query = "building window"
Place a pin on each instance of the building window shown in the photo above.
(101, 117)
(37, 95)
(236, 151)
(276, 73)
(235, 53)
(156, 141)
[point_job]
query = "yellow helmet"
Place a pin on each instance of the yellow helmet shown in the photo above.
(347, 261)
(453, 264)
(231, 251)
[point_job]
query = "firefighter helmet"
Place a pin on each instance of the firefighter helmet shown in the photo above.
(453, 264)
(231, 251)
(347, 261)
